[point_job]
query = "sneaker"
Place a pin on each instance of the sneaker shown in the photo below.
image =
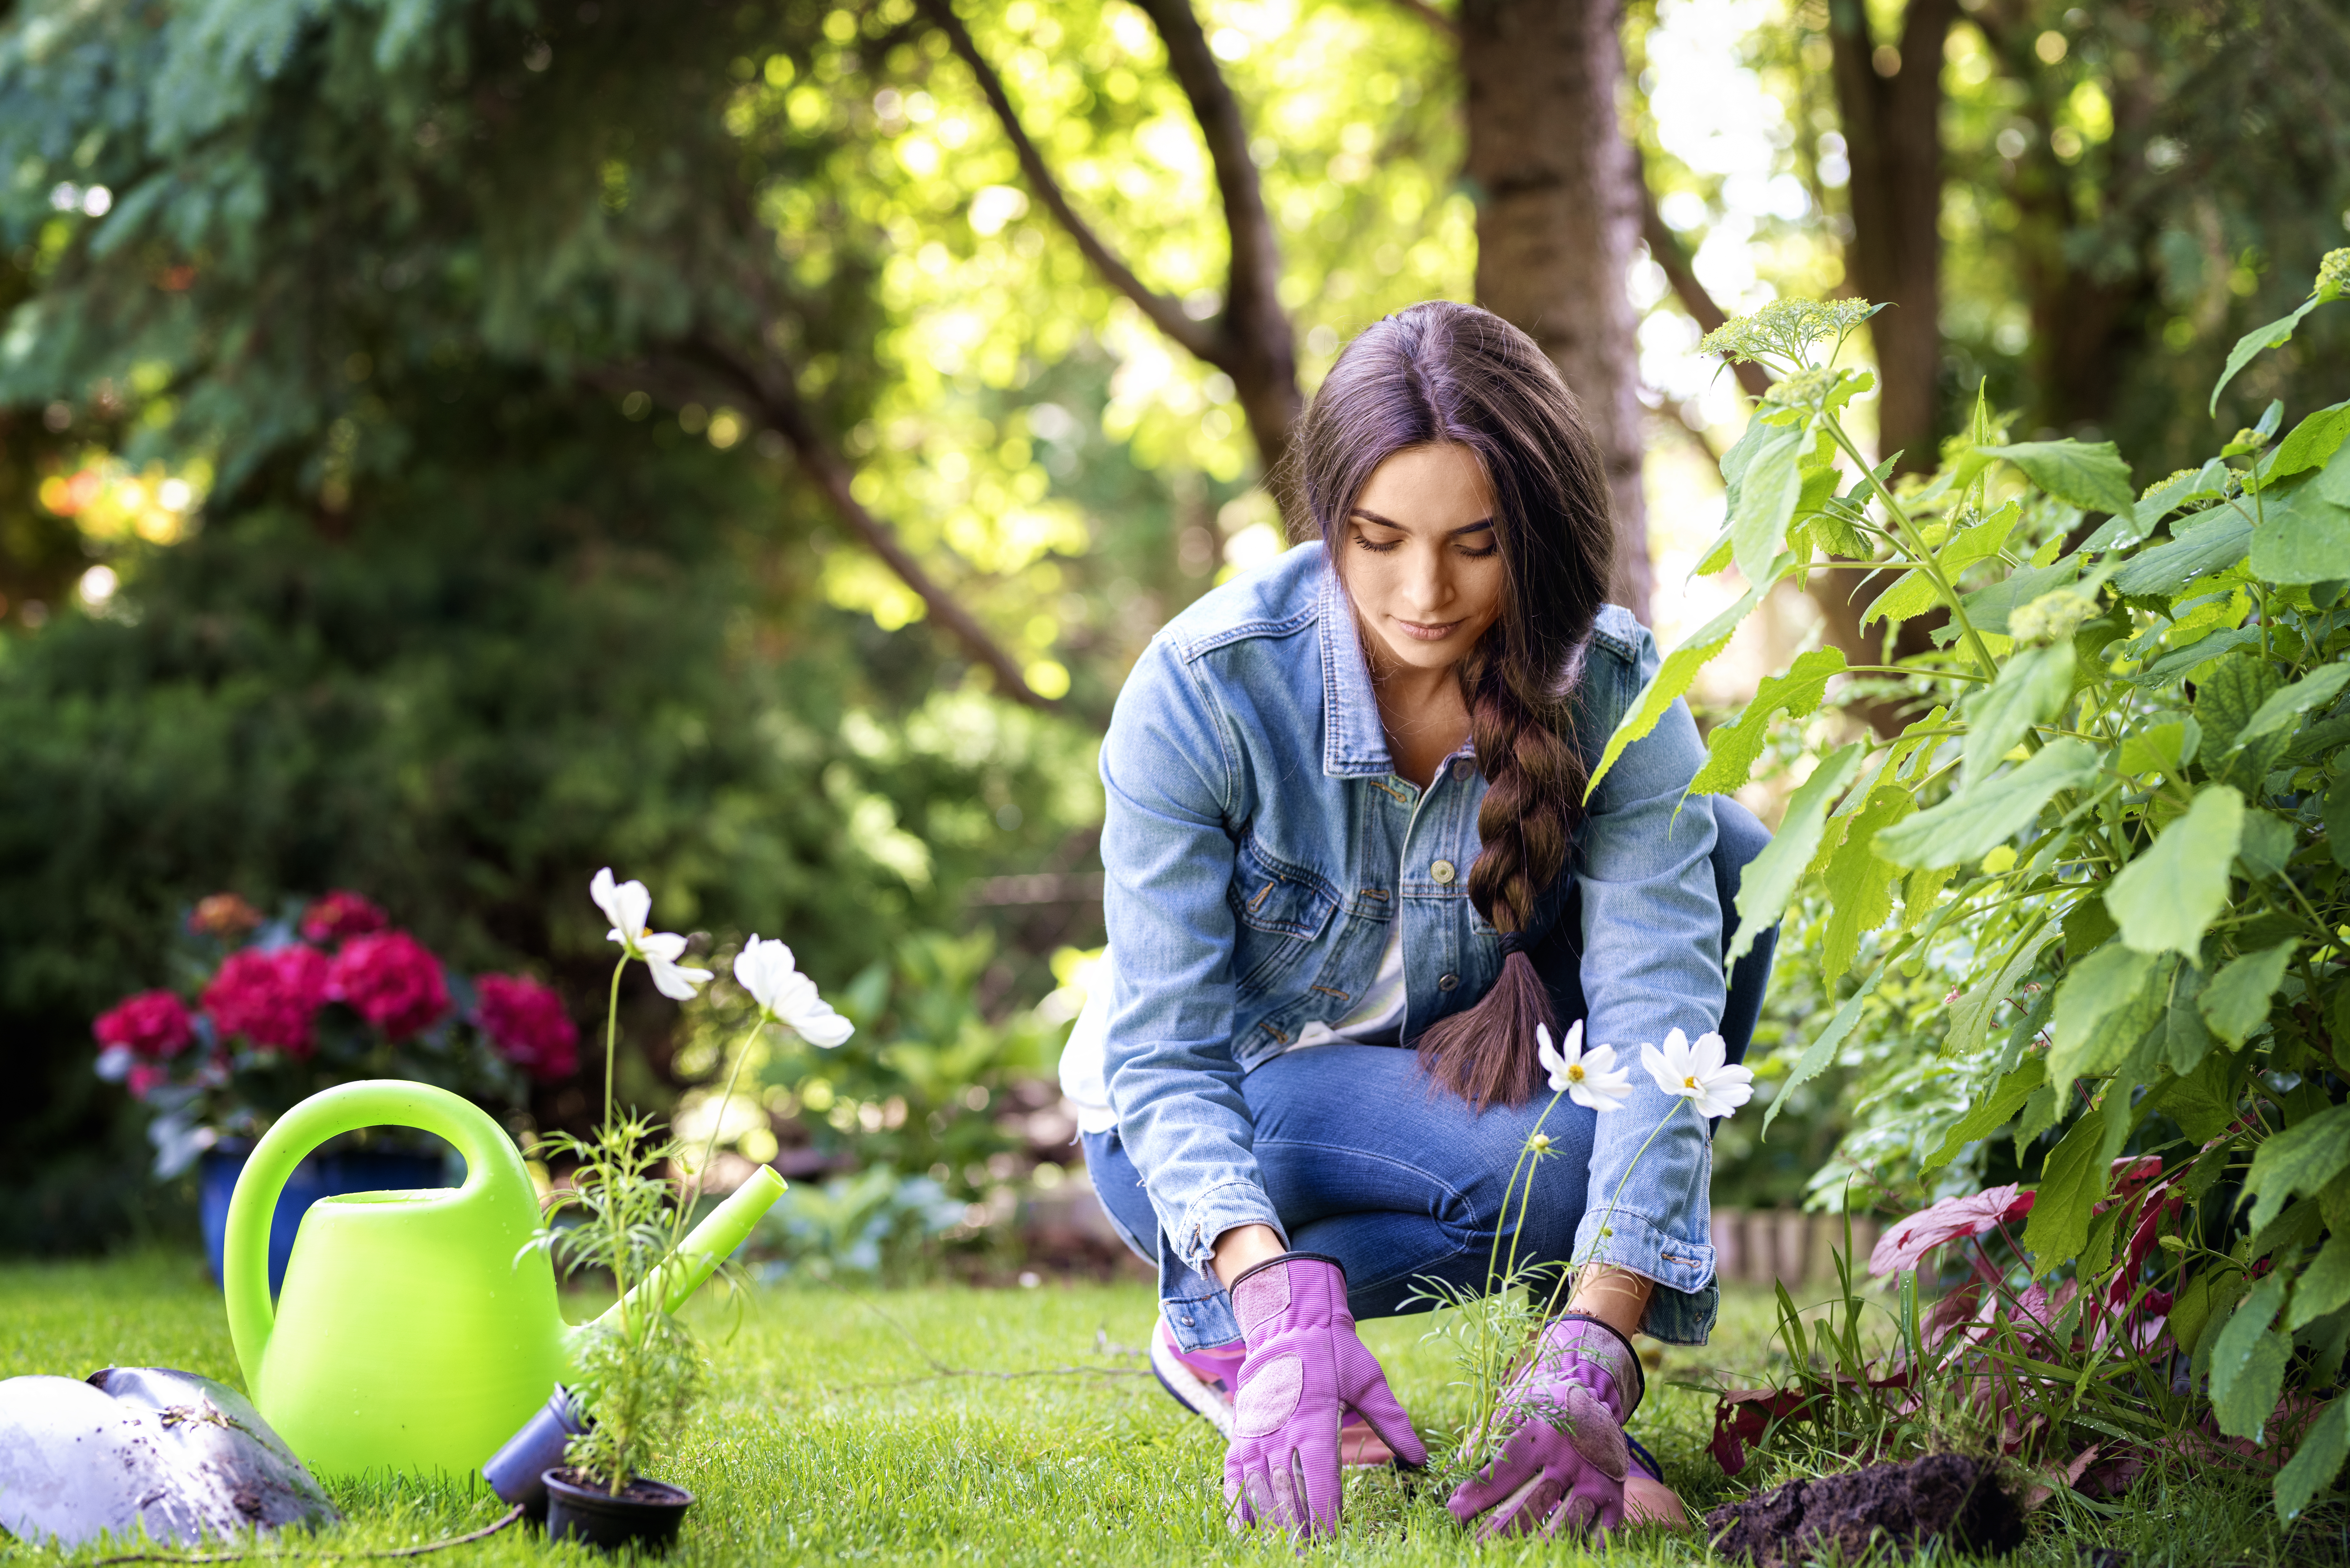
(1202, 1381)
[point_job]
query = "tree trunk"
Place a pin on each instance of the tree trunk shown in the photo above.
(1558, 216)
(1891, 100)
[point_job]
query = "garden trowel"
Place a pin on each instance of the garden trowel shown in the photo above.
(181, 1456)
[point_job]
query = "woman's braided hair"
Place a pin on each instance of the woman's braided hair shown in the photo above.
(1440, 373)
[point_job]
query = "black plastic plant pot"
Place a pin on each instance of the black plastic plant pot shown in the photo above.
(646, 1513)
(517, 1471)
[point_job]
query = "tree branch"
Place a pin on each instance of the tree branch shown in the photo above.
(1665, 248)
(773, 396)
(1165, 313)
(1255, 330)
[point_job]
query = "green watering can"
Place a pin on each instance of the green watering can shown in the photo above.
(416, 1330)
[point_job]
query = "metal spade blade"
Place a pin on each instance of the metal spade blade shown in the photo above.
(182, 1455)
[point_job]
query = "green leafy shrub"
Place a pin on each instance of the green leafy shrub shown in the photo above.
(2114, 820)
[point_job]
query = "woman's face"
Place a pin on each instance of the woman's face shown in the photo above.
(1419, 558)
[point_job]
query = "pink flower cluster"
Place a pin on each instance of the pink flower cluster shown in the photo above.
(341, 915)
(528, 1023)
(270, 996)
(388, 979)
(152, 1025)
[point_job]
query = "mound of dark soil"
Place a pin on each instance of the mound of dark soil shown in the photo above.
(1941, 1496)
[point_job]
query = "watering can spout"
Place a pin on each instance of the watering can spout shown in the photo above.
(705, 1247)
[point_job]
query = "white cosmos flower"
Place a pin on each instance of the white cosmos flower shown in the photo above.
(1590, 1078)
(628, 907)
(1697, 1073)
(766, 968)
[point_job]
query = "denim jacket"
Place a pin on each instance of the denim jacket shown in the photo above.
(1259, 844)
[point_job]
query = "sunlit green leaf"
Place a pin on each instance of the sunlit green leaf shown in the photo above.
(1990, 1113)
(1859, 881)
(1770, 878)
(2312, 442)
(2318, 1461)
(2252, 343)
(2168, 898)
(2106, 1002)
(2207, 542)
(1731, 748)
(2303, 537)
(1971, 1014)
(1767, 493)
(2248, 1362)
(1973, 821)
(2072, 1181)
(2031, 689)
(1909, 597)
(1673, 677)
(2299, 1159)
(2160, 748)
(2236, 1002)
(2323, 1285)
(2086, 473)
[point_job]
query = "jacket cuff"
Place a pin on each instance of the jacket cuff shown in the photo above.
(1219, 1210)
(1682, 1308)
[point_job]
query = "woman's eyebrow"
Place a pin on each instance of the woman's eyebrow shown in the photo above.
(1481, 525)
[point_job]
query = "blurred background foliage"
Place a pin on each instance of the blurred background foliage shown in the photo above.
(450, 446)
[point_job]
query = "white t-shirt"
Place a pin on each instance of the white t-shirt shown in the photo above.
(1378, 1020)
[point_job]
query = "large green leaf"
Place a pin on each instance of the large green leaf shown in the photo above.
(1767, 492)
(1980, 541)
(2300, 1159)
(1971, 1014)
(1911, 596)
(2236, 1002)
(2030, 690)
(2303, 537)
(1989, 607)
(2226, 698)
(1771, 877)
(2165, 900)
(2106, 1002)
(2086, 473)
(2207, 542)
(2281, 707)
(1859, 880)
(1673, 677)
(2191, 657)
(2312, 442)
(1993, 1112)
(2323, 1285)
(2072, 1181)
(2252, 343)
(2315, 1464)
(1973, 821)
(1731, 748)
(2248, 1362)
(1822, 1050)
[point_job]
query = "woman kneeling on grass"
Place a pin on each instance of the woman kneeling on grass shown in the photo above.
(1347, 812)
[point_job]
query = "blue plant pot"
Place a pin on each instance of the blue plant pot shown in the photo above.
(321, 1175)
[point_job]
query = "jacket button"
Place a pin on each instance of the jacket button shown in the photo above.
(1442, 871)
(1447, 981)
(1464, 767)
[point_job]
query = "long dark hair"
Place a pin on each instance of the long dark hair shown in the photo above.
(1446, 373)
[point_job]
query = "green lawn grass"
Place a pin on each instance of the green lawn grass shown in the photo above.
(832, 1436)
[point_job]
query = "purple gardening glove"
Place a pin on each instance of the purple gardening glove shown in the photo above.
(1305, 1368)
(1563, 1466)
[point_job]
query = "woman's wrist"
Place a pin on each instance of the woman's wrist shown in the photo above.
(1242, 1248)
(1616, 1297)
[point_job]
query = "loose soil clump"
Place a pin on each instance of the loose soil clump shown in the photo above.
(1941, 1496)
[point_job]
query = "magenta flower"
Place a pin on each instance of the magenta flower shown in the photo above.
(388, 979)
(270, 998)
(339, 916)
(528, 1023)
(152, 1025)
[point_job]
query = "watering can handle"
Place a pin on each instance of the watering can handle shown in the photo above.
(380, 1102)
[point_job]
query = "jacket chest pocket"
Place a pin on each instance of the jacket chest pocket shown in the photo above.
(1279, 911)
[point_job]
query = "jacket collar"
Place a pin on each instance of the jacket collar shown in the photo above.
(1354, 742)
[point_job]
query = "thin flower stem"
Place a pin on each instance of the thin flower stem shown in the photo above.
(612, 1034)
(717, 1126)
(1924, 557)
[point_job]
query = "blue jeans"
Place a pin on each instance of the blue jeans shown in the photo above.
(1367, 1162)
